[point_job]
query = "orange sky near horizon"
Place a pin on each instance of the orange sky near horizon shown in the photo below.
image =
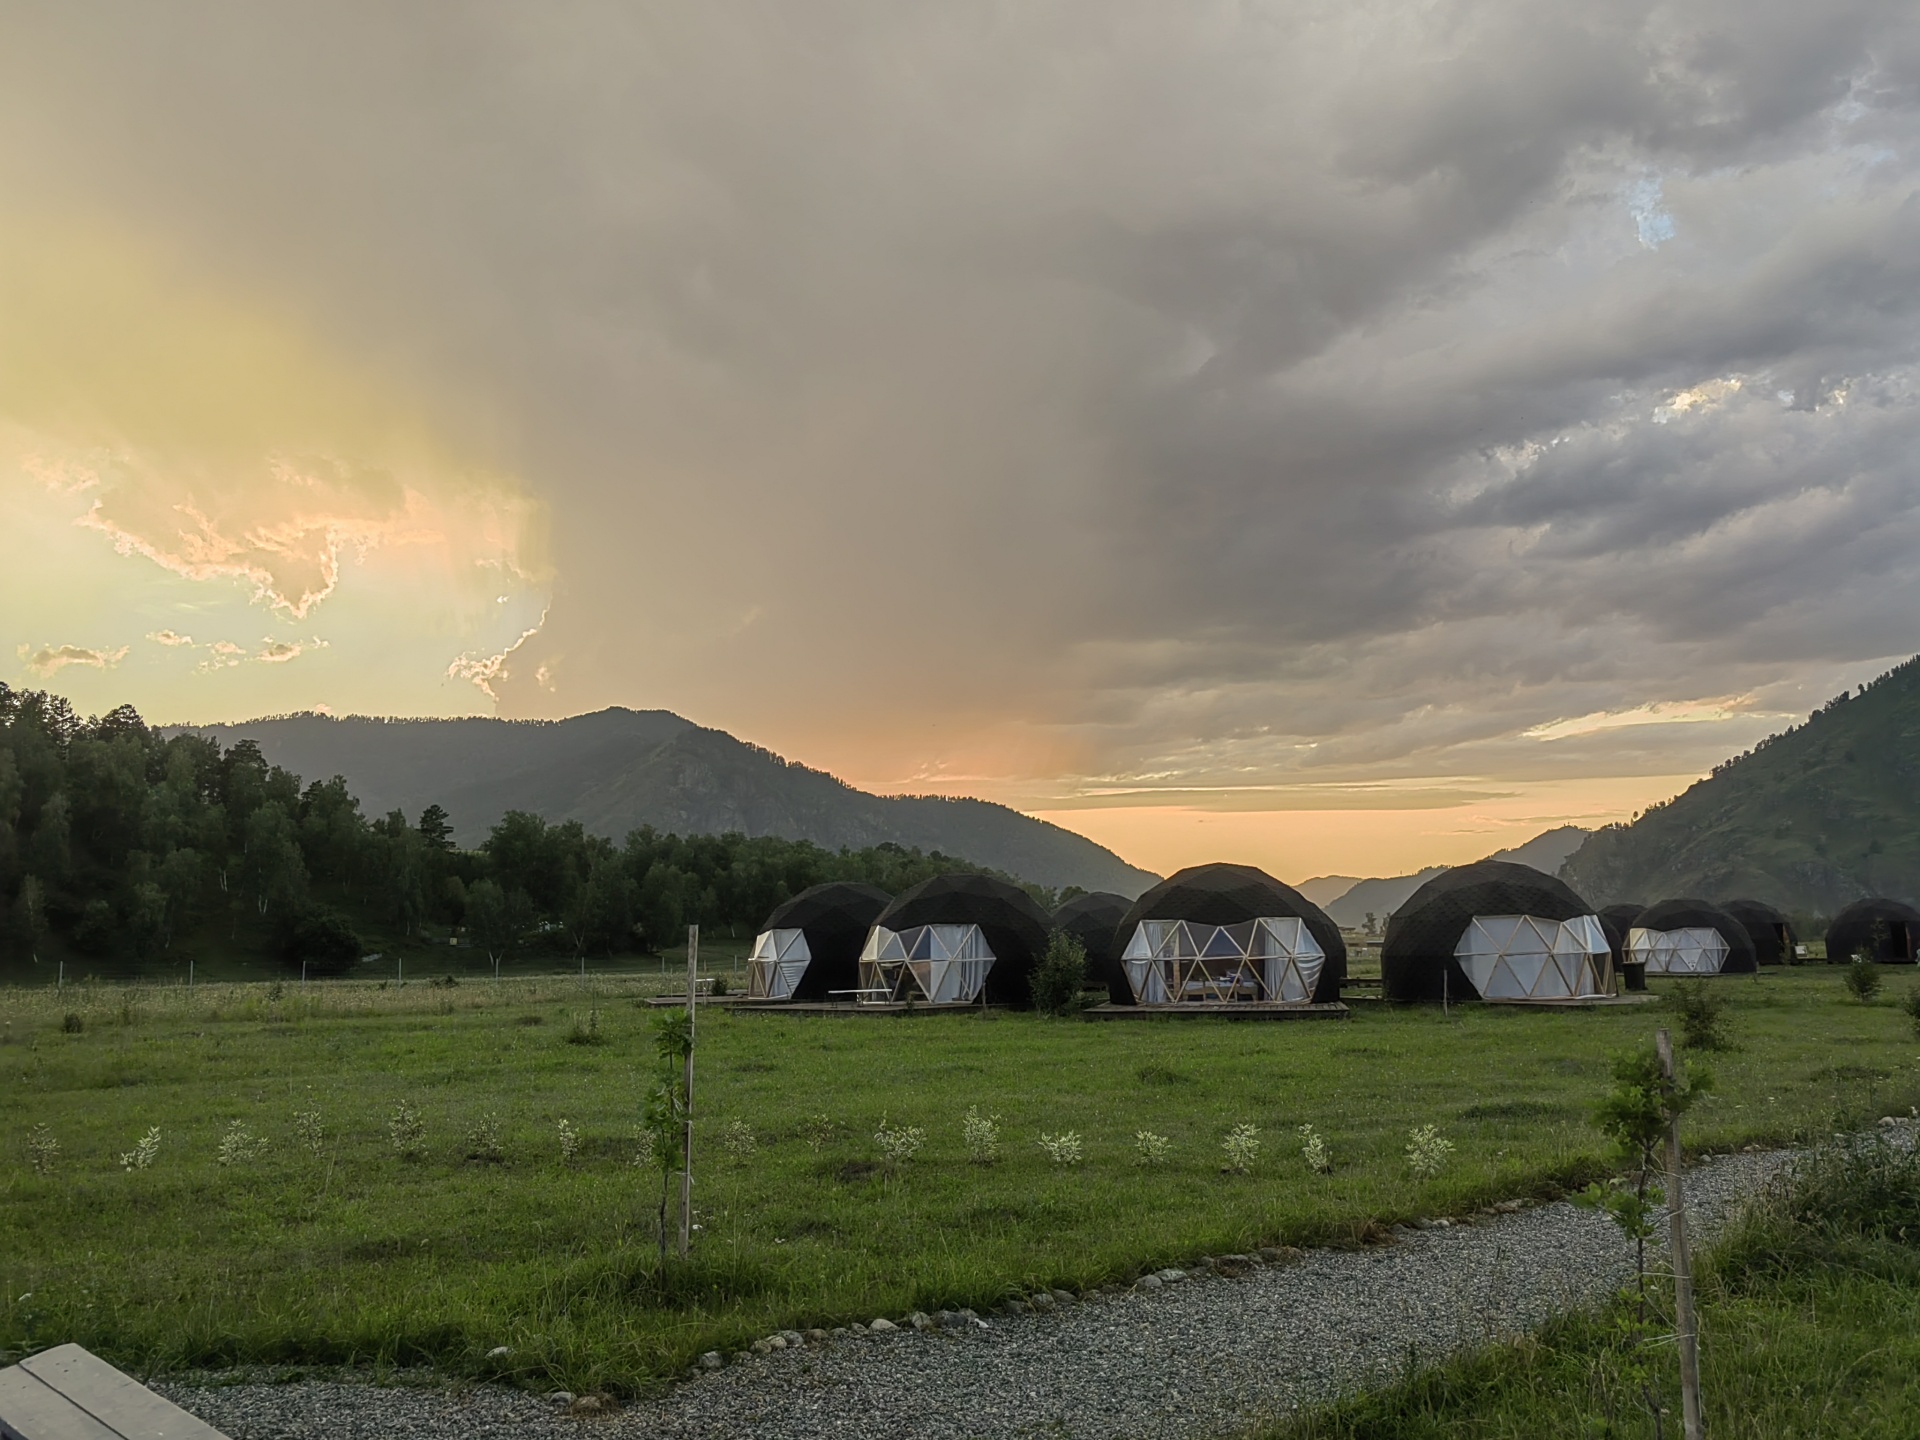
(1297, 845)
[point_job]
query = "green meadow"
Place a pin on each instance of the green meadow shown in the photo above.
(331, 1248)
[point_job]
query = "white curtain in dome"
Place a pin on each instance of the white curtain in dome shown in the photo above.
(1693, 950)
(1274, 958)
(1523, 957)
(937, 964)
(775, 964)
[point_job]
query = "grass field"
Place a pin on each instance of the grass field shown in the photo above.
(1810, 1327)
(349, 1253)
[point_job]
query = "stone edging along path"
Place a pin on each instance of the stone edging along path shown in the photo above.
(1181, 1354)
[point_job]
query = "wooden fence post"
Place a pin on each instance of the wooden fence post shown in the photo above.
(1686, 1324)
(686, 1139)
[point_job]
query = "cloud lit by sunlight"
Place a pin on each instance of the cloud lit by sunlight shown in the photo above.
(215, 463)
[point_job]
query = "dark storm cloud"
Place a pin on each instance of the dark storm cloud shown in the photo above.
(1230, 390)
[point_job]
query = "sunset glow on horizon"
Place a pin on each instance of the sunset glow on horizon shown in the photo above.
(1227, 436)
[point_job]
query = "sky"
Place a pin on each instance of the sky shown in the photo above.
(1342, 437)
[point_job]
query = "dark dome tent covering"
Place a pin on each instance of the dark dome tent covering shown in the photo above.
(1094, 920)
(810, 945)
(1690, 937)
(1227, 933)
(954, 940)
(1768, 929)
(1859, 928)
(1495, 931)
(1617, 922)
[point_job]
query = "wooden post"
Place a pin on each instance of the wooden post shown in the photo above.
(686, 1139)
(1686, 1325)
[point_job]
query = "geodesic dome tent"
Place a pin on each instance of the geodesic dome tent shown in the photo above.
(954, 940)
(1094, 920)
(1690, 937)
(1494, 931)
(1767, 929)
(810, 945)
(1226, 932)
(1617, 920)
(1857, 928)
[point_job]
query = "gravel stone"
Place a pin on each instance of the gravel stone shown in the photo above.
(560, 1399)
(882, 1326)
(1159, 1363)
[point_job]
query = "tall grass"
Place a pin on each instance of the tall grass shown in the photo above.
(1810, 1308)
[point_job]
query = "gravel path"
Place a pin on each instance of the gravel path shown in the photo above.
(1201, 1356)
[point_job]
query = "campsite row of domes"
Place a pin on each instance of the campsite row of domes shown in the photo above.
(1224, 934)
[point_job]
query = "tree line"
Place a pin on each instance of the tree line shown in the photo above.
(119, 841)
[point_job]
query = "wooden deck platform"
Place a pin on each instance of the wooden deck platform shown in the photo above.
(68, 1393)
(1218, 1010)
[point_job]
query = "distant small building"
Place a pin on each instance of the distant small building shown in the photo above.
(1768, 928)
(1690, 937)
(809, 946)
(1881, 929)
(955, 940)
(1227, 933)
(1094, 920)
(1495, 931)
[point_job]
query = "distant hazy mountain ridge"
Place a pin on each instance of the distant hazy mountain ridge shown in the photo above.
(616, 770)
(1350, 905)
(1810, 819)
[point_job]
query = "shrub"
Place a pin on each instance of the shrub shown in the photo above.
(483, 1140)
(819, 1131)
(899, 1144)
(405, 1132)
(1911, 1004)
(1064, 1148)
(1314, 1150)
(1242, 1147)
(1863, 978)
(72, 1024)
(1427, 1151)
(42, 1150)
(142, 1155)
(239, 1145)
(1150, 1150)
(1702, 1012)
(719, 985)
(569, 1141)
(587, 1033)
(982, 1134)
(1056, 979)
(646, 1148)
(321, 939)
(738, 1141)
(307, 1126)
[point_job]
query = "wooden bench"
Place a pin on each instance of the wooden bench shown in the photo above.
(68, 1393)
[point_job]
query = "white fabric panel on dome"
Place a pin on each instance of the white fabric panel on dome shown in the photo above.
(1273, 958)
(1693, 950)
(777, 961)
(940, 964)
(1523, 957)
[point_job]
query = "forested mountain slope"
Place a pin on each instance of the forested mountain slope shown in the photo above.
(1809, 819)
(616, 770)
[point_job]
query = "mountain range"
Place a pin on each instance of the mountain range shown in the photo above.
(1810, 819)
(1349, 901)
(616, 770)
